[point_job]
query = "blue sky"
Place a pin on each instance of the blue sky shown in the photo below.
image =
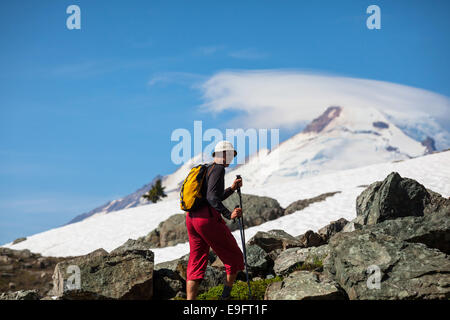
(86, 115)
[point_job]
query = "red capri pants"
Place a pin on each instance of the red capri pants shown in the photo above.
(204, 232)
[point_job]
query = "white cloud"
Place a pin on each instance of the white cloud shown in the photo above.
(287, 98)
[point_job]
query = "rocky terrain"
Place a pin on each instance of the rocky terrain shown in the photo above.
(396, 248)
(257, 211)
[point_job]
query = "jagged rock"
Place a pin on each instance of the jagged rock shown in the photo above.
(293, 258)
(273, 240)
(438, 204)
(303, 203)
(432, 230)
(351, 226)
(319, 123)
(125, 273)
(408, 270)
(392, 198)
(331, 229)
(258, 260)
(304, 285)
(311, 239)
(20, 295)
(257, 210)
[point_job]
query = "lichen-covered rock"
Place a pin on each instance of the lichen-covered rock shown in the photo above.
(293, 258)
(20, 295)
(432, 230)
(304, 285)
(407, 270)
(395, 197)
(332, 228)
(125, 273)
(256, 211)
(311, 239)
(258, 261)
(273, 240)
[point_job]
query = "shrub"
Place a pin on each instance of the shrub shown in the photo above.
(240, 290)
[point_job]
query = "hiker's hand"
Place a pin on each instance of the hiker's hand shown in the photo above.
(237, 212)
(236, 184)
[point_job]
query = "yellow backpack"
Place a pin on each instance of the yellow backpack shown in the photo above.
(191, 190)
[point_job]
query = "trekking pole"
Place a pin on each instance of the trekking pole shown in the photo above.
(241, 229)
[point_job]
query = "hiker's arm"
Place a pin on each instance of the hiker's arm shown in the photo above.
(228, 192)
(215, 192)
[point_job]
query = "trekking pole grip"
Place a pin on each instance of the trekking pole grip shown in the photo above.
(238, 176)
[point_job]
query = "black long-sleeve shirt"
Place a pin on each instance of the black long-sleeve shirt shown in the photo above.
(214, 188)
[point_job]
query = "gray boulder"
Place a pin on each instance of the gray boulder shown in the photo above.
(395, 197)
(258, 260)
(274, 240)
(311, 239)
(125, 273)
(168, 233)
(407, 270)
(294, 258)
(304, 285)
(332, 228)
(432, 230)
(257, 210)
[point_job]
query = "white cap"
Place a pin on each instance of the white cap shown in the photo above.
(224, 146)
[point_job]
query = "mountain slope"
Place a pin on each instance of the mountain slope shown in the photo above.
(112, 230)
(341, 138)
(130, 201)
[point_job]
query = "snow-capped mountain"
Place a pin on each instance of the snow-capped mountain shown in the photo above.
(341, 138)
(421, 127)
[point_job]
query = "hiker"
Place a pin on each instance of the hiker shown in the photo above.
(206, 227)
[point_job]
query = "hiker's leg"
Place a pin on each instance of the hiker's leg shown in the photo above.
(219, 238)
(198, 258)
(230, 279)
(192, 289)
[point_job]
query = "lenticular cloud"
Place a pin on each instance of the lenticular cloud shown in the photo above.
(285, 99)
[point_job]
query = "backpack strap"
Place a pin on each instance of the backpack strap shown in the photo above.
(207, 176)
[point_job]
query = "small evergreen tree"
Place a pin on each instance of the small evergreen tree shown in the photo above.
(156, 192)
